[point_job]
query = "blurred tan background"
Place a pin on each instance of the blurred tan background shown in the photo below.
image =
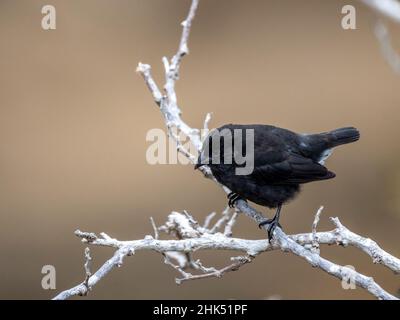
(74, 116)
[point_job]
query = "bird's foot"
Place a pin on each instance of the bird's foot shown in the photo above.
(233, 198)
(272, 224)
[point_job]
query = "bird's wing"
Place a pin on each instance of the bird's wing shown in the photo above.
(291, 169)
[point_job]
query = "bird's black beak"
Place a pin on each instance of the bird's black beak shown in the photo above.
(198, 165)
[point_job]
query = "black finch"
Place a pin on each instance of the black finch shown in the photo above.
(281, 161)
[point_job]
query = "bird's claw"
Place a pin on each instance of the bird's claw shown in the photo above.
(233, 198)
(272, 224)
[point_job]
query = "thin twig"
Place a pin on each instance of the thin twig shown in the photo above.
(315, 244)
(388, 52)
(239, 261)
(229, 225)
(388, 8)
(87, 265)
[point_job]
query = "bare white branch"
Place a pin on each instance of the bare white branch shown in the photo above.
(186, 243)
(388, 8)
(391, 10)
(370, 247)
(289, 245)
(82, 289)
(389, 53)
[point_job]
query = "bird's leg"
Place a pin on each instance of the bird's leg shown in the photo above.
(272, 223)
(233, 198)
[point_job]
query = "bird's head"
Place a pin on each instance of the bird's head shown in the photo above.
(202, 160)
(209, 154)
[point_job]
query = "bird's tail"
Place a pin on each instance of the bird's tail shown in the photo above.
(342, 136)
